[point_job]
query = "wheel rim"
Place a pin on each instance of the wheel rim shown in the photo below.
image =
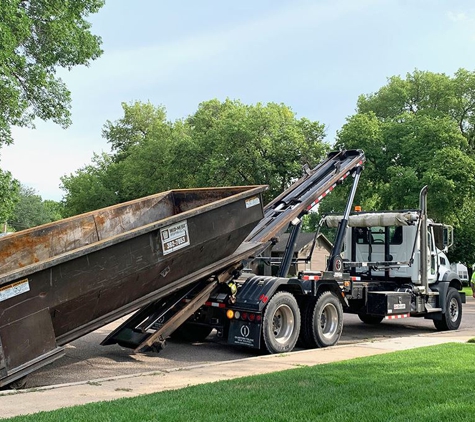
(329, 320)
(283, 324)
(454, 310)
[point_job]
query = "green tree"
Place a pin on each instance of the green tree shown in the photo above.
(464, 247)
(54, 209)
(36, 38)
(237, 144)
(222, 143)
(32, 211)
(9, 194)
(419, 131)
(92, 187)
(141, 122)
(428, 93)
(141, 142)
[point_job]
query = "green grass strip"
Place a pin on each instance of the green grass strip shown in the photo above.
(427, 384)
(468, 291)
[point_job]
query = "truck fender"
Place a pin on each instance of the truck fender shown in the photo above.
(256, 291)
(452, 278)
(442, 287)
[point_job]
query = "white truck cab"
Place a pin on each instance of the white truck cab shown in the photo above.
(387, 245)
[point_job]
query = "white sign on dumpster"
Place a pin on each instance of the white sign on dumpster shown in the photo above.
(174, 237)
(14, 289)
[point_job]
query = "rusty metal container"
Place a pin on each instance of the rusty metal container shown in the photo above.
(63, 280)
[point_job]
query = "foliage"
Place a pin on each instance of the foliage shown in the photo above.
(419, 131)
(9, 194)
(32, 211)
(141, 142)
(427, 93)
(237, 144)
(91, 187)
(141, 122)
(37, 37)
(221, 144)
(405, 154)
(417, 379)
(463, 250)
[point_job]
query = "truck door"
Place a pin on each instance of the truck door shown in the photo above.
(380, 244)
(433, 264)
(368, 246)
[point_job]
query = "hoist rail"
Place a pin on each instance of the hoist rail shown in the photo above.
(306, 193)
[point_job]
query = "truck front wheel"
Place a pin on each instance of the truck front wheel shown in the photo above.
(322, 321)
(453, 312)
(281, 323)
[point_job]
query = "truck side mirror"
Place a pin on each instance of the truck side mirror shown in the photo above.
(443, 236)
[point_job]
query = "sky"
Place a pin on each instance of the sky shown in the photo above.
(315, 56)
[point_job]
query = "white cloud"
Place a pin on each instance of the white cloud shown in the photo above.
(458, 16)
(465, 20)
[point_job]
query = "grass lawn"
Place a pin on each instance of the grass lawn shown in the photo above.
(468, 291)
(427, 384)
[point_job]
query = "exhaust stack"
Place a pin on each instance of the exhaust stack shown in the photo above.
(423, 240)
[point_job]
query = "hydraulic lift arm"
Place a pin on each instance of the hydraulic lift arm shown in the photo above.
(306, 193)
(335, 262)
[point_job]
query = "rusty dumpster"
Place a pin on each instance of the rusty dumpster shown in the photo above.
(65, 279)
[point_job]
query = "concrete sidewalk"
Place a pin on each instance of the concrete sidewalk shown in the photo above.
(54, 397)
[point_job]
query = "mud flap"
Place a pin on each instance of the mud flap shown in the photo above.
(242, 333)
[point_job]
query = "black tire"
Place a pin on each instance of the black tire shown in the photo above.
(370, 319)
(191, 332)
(452, 317)
(307, 308)
(281, 323)
(322, 321)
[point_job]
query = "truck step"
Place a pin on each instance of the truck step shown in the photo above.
(430, 309)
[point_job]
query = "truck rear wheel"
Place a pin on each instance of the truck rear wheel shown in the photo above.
(453, 312)
(281, 323)
(322, 321)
